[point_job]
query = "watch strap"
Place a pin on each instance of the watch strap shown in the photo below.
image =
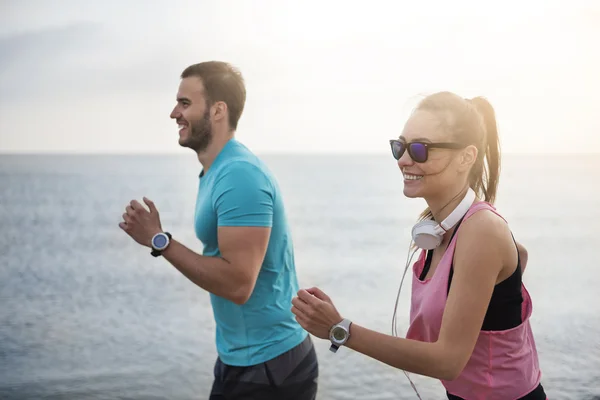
(334, 348)
(346, 324)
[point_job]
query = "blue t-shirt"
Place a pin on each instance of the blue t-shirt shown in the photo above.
(239, 190)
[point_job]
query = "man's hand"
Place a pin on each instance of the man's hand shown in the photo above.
(140, 223)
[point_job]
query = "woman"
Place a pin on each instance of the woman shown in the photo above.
(469, 320)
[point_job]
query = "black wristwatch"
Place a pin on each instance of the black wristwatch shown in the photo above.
(160, 242)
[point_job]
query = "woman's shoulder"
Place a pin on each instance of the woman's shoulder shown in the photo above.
(486, 219)
(485, 230)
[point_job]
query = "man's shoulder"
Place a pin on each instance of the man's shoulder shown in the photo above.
(242, 157)
(242, 167)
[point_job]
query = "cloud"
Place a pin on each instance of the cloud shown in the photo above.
(68, 49)
(43, 45)
(44, 61)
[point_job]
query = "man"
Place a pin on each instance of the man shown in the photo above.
(248, 259)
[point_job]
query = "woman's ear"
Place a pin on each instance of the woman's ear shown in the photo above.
(468, 157)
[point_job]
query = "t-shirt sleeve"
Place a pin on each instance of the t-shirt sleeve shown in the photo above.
(243, 196)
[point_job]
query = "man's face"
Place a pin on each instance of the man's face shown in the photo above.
(192, 115)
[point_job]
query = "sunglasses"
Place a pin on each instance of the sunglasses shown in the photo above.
(419, 151)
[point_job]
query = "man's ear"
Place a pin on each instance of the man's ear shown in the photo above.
(219, 111)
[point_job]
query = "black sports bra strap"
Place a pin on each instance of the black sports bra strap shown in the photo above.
(430, 254)
(455, 230)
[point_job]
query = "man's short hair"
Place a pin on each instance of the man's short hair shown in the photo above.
(222, 82)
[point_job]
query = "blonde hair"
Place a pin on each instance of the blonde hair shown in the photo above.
(470, 122)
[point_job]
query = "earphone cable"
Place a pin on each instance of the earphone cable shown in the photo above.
(394, 320)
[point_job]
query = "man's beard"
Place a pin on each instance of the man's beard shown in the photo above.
(200, 134)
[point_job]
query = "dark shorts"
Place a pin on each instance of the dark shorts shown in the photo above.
(292, 376)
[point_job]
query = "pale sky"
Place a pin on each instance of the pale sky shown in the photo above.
(322, 76)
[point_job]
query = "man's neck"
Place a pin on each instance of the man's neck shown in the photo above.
(208, 156)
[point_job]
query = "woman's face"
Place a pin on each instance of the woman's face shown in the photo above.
(442, 170)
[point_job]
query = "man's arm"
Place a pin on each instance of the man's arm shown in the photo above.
(231, 276)
(243, 200)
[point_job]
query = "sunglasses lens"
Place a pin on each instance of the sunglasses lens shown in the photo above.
(418, 152)
(397, 149)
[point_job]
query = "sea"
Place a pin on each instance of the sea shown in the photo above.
(87, 313)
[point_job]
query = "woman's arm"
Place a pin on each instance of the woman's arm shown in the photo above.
(478, 259)
(523, 255)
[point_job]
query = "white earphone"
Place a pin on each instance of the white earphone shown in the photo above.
(428, 234)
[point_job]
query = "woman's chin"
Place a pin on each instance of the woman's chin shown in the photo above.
(412, 189)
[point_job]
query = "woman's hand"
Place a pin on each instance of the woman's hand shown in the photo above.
(315, 312)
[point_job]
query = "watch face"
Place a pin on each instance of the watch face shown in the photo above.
(159, 241)
(339, 334)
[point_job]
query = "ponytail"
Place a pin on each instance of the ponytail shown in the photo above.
(486, 172)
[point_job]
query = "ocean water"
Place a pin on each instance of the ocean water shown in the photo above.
(86, 313)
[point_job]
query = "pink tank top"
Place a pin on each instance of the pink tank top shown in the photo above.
(504, 364)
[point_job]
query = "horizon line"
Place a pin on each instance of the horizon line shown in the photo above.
(259, 153)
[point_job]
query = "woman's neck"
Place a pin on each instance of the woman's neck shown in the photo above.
(442, 206)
